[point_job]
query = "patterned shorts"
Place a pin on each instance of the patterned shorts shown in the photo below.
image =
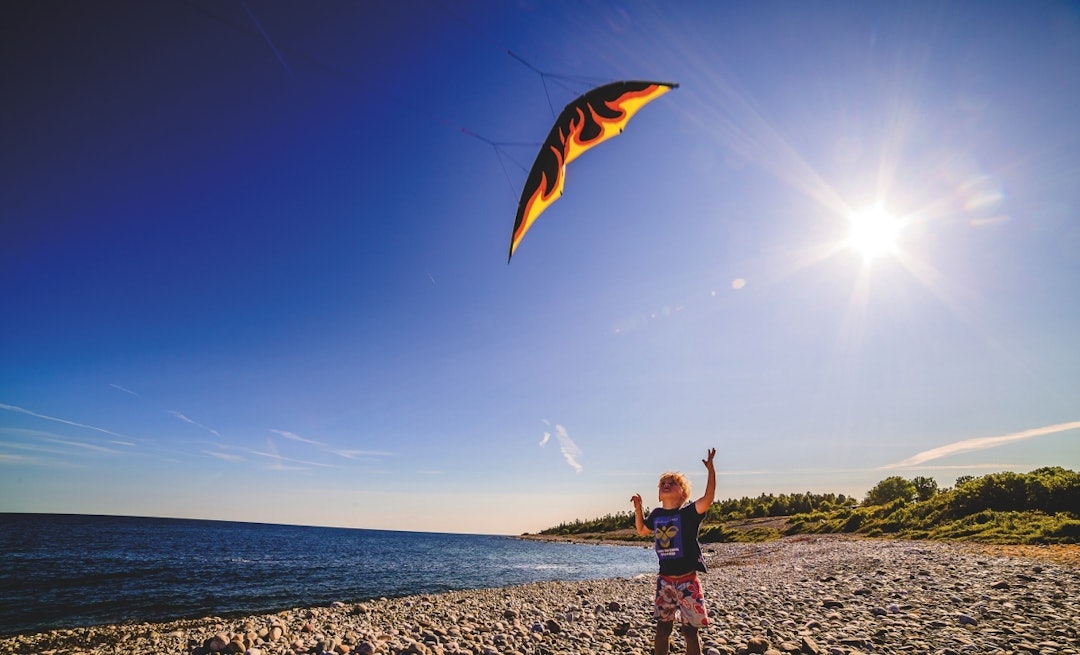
(681, 593)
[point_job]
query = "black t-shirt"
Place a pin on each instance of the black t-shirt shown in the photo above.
(676, 539)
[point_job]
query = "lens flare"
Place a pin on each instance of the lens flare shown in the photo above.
(873, 233)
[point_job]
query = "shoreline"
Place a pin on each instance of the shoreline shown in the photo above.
(1059, 553)
(820, 595)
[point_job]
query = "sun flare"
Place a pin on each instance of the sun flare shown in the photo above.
(873, 233)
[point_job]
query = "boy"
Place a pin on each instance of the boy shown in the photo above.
(675, 529)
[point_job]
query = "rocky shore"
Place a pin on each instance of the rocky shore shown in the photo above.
(810, 595)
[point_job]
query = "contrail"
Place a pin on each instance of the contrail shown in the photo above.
(12, 408)
(981, 443)
(296, 437)
(195, 423)
(117, 386)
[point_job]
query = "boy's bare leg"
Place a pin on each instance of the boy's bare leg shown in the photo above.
(693, 640)
(663, 637)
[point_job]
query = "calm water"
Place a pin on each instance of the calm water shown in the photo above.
(66, 571)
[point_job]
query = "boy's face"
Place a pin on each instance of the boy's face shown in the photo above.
(669, 489)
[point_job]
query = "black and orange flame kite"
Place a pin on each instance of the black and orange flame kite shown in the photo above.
(591, 119)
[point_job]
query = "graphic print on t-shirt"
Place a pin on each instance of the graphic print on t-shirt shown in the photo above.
(669, 539)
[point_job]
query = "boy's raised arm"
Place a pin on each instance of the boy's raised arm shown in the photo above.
(639, 517)
(702, 504)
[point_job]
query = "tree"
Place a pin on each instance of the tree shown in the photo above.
(925, 487)
(890, 489)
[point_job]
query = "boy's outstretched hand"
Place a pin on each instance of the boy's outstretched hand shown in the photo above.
(708, 462)
(639, 518)
(702, 504)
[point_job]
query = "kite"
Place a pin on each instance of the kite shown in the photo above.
(587, 121)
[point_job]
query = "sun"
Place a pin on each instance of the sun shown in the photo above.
(873, 233)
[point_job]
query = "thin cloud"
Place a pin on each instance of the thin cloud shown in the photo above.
(975, 467)
(20, 410)
(981, 443)
(196, 424)
(279, 461)
(35, 448)
(228, 457)
(347, 453)
(51, 456)
(296, 437)
(88, 446)
(372, 455)
(128, 391)
(567, 447)
(23, 433)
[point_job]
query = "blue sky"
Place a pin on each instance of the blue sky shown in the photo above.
(253, 261)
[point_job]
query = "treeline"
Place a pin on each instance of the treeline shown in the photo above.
(1037, 507)
(723, 510)
(609, 523)
(772, 505)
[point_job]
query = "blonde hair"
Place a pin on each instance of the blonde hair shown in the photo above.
(680, 480)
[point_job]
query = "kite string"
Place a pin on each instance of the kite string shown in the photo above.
(335, 72)
(502, 155)
(506, 174)
(266, 36)
(544, 75)
(499, 146)
(543, 79)
(318, 63)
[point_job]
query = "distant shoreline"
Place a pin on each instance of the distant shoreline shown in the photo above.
(596, 538)
(1060, 553)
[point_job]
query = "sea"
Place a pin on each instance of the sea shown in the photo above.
(66, 571)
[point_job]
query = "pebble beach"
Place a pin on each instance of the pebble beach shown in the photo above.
(809, 595)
